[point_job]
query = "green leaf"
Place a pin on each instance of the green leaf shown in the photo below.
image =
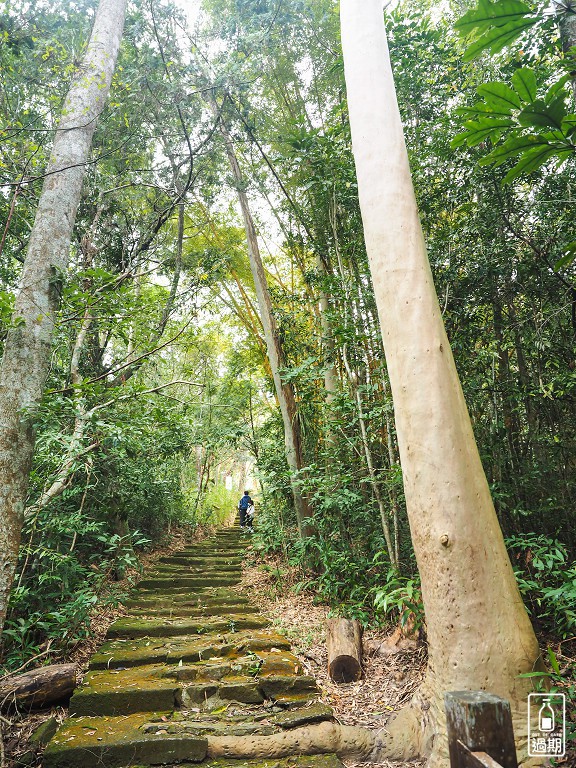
(496, 38)
(512, 147)
(539, 114)
(500, 96)
(568, 126)
(488, 14)
(524, 82)
(555, 89)
(553, 661)
(530, 161)
(479, 130)
(494, 24)
(568, 258)
(483, 108)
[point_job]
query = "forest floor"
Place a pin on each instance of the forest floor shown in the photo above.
(388, 681)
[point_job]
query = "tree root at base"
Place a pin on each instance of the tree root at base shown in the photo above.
(408, 735)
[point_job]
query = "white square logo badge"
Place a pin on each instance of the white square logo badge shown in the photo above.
(546, 724)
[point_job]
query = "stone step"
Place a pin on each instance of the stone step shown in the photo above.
(141, 740)
(191, 582)
(199, 561)
(181, 610)
(192, 567)
(130, 653)
(168, 687)
(184, 599)
(103, 742)
(133, 627)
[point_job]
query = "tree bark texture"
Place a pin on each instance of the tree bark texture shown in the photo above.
(38, 688)
(479, 633)
(26, 358)
(344, 645)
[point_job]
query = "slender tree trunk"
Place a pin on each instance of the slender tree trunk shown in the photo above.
(26, 358)
(479, 634)
(369, 462)
(284, 391)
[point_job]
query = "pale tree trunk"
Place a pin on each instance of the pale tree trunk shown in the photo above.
(284, 391)
(479, 634)
(26, 358)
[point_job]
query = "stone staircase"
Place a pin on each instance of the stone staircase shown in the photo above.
(191, 659)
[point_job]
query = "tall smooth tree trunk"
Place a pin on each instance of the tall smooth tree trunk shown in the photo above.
(284, 390)
(26, 359)
(479, 633)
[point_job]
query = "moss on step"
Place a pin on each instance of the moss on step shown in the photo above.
(294, 718)
(91, 742)
(275, 686)
(124, 692)
(132, 628)
(279, 663)
(296, 761)
(241, 689)
(187, 649)
(181, 611)
(190, 582)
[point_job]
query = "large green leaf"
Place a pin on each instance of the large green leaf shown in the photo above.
(481, 108)
(479, 130)
(488, 14)
(540, 114)
(500, 96)
(530, 161)
(568, 126)
(524, 82)
(494, 24)
(568, 258)
(556, 89)
(513, 146)
(496, 38)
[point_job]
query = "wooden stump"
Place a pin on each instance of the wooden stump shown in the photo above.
(38, 688)
(344, 644)
(480, 731)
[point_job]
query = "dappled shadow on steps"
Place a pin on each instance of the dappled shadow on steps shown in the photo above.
(191, 659)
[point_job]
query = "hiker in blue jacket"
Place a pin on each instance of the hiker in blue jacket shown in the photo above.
(243, 505)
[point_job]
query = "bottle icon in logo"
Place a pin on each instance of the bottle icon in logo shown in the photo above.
(546, 717)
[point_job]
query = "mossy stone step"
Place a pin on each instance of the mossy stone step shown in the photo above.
(190, 582)
(181, 611)
(132, 627)
(167, 687)
(207, 561)
(295, 761)
(98, 742)
(190, 660)
(193, 570)
(185, 600)
(147, 650)
(203, 595)
(227, 551)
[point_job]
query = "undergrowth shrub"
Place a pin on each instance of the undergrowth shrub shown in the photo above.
(546, 577)
(68, 564)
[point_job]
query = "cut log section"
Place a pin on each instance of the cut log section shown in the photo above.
(38, 688)
(344, 644)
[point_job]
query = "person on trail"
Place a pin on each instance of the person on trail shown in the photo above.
(243, 505)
